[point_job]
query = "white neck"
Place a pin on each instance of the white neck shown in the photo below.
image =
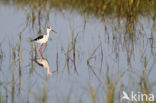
(48, 31)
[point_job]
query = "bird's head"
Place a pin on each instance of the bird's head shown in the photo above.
(49, 28)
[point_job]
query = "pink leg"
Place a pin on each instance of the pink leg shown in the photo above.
(40, 49)
(40, 52)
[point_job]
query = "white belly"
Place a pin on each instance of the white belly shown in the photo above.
(43, 40)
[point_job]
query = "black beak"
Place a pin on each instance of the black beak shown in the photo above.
(54, 31)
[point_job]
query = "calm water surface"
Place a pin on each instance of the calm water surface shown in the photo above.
(102, 50)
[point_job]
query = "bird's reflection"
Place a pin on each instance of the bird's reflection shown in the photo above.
(43, 62)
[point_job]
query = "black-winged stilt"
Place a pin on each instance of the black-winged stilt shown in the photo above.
(43, 38)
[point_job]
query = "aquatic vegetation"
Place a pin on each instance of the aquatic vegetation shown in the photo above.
(1, 56)
(19, 60)
(106, 47)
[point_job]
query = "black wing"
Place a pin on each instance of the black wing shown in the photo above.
(40, 37)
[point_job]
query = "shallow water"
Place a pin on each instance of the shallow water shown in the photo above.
(103, 50)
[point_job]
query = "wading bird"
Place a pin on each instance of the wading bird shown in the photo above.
(43, 38)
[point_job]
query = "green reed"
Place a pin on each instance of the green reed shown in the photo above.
(19, 61)
(39, 10)
(67, 59)
(1, 100)
(57, 62)
(145, 84)
(110, 87)
(13, 76)
(74, 39)
(33, 56)
(93, 94)
(6, 94)
(96, 7)
(68, 98)
(44, 96)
